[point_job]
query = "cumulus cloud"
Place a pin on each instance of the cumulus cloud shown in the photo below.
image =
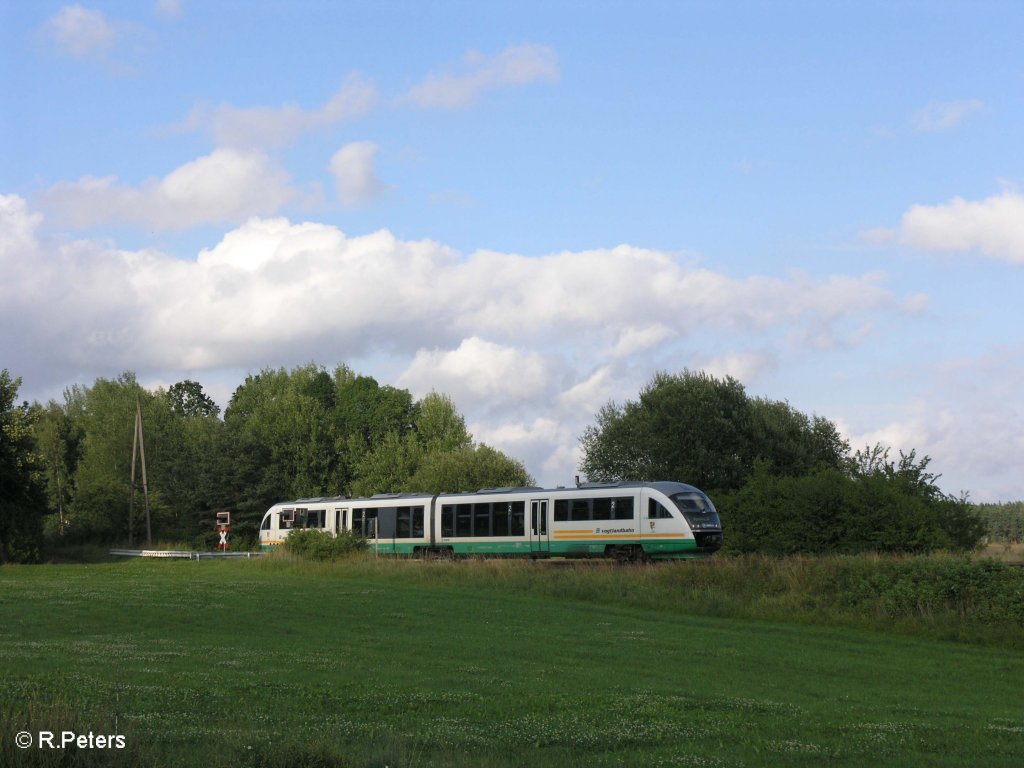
(746, 367)
(632, 340)
(515, 66)
(225, 186)
(274, 127)
(529, 348)
(80, 32)
(993, 226)
(479, 372)
(547, 443)
(355, 173)
(943, 115)
(420, 295)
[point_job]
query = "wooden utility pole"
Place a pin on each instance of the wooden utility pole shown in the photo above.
(139, 449)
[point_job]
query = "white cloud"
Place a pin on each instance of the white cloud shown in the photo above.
(80, 32)
(272, 127)
(632, 340)
(224, 186)
(943, 115)
(478, 372)
(515, 66)
(588, 395)
(994, 226)
(355, 174)
(526, 346)
(746, 367)
(548, 443)
(968, 418)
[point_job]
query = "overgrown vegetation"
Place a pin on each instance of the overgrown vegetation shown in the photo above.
(320, 545)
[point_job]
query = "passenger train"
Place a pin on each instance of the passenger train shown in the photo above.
(624, 520)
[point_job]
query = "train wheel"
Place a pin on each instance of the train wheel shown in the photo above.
(632, 553)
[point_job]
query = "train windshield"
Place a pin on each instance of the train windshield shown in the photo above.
(698, 510)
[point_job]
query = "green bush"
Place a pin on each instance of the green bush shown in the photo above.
(830, 512)
(320, 545)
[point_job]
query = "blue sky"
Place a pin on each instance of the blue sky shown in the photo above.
(530, 206)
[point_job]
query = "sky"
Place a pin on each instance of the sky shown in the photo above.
(530, 206)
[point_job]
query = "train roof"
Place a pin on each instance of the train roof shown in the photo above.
(665, 486)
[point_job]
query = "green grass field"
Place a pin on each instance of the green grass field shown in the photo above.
(363, 663)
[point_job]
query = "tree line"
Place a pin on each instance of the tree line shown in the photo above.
(784, 482)
(1004, 523)
(66, 466)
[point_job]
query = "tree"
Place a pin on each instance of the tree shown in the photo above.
(99, 510)
(188, 400)
(699, 429)
(387, 467)
(468, 469)
(439, 426)
(59, 434)
(690, 427)
(22, 497)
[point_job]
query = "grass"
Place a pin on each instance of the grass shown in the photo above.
(1010, 553)
(372, 663)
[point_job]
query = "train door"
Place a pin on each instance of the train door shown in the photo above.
(340, 521)
(540, 541)
(267, 532)
(657, 526)
(387, 528)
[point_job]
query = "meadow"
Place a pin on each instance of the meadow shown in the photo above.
(730, 662)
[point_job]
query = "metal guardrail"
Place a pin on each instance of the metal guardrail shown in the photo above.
(183, 554)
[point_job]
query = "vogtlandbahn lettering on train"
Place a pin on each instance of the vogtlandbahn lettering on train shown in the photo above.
(625, 520)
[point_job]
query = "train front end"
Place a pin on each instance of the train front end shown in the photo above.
(699, 513)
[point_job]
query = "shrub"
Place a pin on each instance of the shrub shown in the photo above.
(320, 545)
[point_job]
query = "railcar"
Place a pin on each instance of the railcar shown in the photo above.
(624, 520)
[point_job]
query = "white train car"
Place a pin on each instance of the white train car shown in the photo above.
(657, 520)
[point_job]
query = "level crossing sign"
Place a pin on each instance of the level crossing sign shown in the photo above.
(223, 521)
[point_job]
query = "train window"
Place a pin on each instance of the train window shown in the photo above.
(315, 518)
(448, 520)
(581, 509)
(561, 510)
(518, 519)
(481, 519)
(265, 525)
(657, 512)
(403, 523)
(417, 522)
(499, 520)
(602, 509)
(622, 509)
(364, 522)
(464, 520)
